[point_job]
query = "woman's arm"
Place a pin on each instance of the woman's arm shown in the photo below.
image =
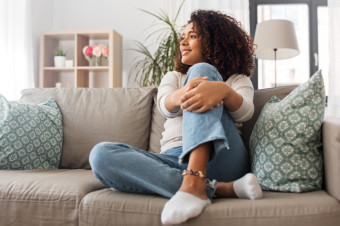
(173, 101)
(170, 92)
(208, 94)
(237, 97)
(169, 84)
(232, 100)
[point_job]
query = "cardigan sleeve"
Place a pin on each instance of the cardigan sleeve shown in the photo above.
(243, 86)
(169, 84)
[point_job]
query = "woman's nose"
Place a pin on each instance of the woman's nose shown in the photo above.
(183, 42)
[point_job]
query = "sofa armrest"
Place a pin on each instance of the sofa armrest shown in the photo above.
(331, 152)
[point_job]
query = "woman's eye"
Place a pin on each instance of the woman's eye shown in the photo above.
(193, 36)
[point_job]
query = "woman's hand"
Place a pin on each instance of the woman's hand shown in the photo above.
(194, 82)
(173, 101)
(202, 95)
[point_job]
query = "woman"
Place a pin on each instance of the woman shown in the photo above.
(209, 91)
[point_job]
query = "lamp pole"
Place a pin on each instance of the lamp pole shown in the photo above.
(275, 50)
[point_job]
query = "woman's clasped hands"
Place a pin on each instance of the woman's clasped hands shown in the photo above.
(200, 95)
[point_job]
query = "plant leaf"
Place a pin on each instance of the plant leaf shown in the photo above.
(149, 68)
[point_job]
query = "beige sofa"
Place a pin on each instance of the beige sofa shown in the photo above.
(72, 196)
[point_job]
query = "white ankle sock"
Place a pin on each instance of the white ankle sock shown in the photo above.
(181, 207)
(248, 187)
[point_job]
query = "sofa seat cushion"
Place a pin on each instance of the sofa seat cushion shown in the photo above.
(110, 207)
(43, 197)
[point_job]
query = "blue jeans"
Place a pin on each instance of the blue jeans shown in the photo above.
(129, 169)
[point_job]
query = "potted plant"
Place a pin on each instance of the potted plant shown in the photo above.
(150, 69)
(59, 57)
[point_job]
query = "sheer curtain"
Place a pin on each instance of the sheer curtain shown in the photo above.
(236, 8)
(334, 53)
(16, 58)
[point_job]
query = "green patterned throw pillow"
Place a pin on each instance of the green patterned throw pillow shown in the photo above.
(31, 135)
(285, 144)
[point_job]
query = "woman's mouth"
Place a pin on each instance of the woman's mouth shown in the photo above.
(184, 52)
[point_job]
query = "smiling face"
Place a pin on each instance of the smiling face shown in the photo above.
(190, 46)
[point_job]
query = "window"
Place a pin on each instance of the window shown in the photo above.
(308, 17)
(323, 44)
(291, 71)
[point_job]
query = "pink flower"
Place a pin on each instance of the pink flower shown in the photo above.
(101, 46)
(105, 52)
(97, 50)
(87, 50)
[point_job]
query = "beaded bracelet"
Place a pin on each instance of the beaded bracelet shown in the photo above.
(194, 173)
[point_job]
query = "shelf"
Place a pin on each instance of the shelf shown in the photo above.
(61, 36)
(83, 68)
(83, 73)
(94, 68)
(59, 68)
(97, 35)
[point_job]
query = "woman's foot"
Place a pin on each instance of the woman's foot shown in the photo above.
(247, 187)
(192, 197)
(181, 207)
(194, 185)
(188, 202)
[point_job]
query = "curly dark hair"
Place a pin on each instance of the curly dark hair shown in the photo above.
(224, 44)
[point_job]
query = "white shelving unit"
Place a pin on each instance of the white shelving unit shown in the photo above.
(82, 74)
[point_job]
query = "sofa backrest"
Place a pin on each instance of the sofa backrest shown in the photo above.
(126, 115)
(94, 115)
(260, 98)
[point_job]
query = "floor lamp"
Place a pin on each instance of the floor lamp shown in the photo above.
(275, 40)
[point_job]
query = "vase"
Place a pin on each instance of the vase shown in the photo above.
(91, 60)
(99, 61)
(59, 61)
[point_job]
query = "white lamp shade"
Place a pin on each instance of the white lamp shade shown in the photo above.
(276, 34)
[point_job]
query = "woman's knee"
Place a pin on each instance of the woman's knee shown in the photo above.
(101, 152)
(204, 70)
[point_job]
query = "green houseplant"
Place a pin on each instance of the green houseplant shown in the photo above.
(59, 52)
(151, 67)
(59, 57)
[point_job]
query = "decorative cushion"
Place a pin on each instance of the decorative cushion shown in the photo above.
(261, 97)
(31, 135)
(286, 139)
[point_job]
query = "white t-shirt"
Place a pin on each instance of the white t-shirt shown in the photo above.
(172, 135)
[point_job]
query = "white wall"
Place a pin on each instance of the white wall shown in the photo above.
(42, 20)
(120, 15)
